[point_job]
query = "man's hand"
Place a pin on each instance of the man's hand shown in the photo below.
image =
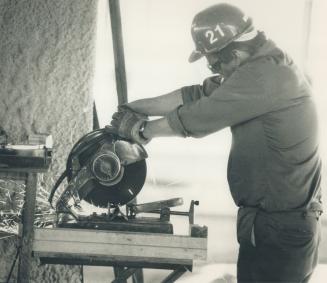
(129, 124)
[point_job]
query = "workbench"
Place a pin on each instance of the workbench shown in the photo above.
(126, 246)
(127, 250)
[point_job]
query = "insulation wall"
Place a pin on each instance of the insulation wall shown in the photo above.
(46, 70)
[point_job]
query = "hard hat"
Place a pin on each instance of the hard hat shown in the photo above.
(217, 26)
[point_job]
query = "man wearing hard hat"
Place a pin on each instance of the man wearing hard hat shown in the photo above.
(274, 168)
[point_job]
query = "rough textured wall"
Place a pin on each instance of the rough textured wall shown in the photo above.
(46, 69)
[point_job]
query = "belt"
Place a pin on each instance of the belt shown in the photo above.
(302, 213)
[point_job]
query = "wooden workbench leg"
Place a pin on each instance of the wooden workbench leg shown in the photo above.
(138, 276)
(124, 275)
(117, 272)
(28, 229)
(172, 277)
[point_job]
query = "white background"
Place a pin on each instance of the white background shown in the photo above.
(157, 44)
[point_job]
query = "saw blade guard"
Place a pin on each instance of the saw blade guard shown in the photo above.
(102, 169)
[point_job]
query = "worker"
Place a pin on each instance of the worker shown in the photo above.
(274, 169)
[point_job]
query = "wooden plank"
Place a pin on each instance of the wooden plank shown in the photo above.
(123, 261)
(119, 238)
(89, 248)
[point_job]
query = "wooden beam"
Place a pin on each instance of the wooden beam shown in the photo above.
(108, 243)
(119, 261)
(119, 238)
(25, 259)
(145, 251)
(124, 274)
(174, 275)
(118, 48)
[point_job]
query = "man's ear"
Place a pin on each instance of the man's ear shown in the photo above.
(238, 55)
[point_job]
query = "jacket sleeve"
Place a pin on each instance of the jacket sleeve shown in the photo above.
(240, 98)
(196, 92)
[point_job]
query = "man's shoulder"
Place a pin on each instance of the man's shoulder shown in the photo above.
(272, 68)
(274, 61)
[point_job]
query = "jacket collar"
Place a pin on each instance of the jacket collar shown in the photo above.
(269, 48)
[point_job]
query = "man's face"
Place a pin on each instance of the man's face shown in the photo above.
(216, 65)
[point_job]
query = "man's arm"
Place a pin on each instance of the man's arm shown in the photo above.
(158, 128)
(157, 106)
(166, 105)
(162, 105)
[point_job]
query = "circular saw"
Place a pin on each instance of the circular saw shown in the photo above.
(102, 169)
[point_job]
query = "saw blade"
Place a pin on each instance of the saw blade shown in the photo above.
(123, 192)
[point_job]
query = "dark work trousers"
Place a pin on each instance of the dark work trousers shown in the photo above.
(286, 248)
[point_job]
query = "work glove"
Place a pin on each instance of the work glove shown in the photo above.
(129, 124)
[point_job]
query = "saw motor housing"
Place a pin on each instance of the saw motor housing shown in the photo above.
(102, 169)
